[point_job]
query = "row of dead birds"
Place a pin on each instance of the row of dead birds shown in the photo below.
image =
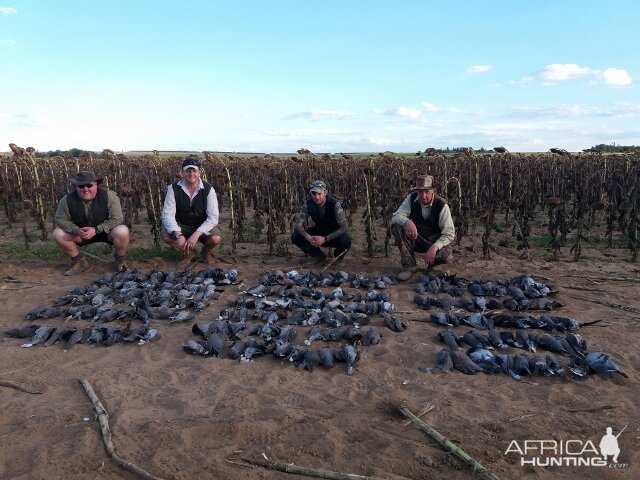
(158, 294)
(480, 358)
(518, 288)
(307, 307)
(47, 335)
(480, 304)
(224, 339)
(488, 321)
(312, 279)
(288, 300)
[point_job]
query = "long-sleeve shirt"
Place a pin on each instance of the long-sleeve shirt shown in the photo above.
(445, 222)
(303, 215)
(169, 208)
(62, 217)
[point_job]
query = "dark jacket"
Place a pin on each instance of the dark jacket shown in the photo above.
(191, 213)
(428, 229)
(98, 211)
(327, 223)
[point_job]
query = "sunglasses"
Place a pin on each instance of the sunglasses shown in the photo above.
(86, 185)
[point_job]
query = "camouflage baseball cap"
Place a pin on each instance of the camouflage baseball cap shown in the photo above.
(318, 186)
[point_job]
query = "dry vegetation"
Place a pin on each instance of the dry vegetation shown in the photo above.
(264, 191)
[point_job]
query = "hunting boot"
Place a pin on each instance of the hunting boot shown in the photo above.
(317, 260)
(77, 266)
(407, 257)
(207, 256)
(121, 265)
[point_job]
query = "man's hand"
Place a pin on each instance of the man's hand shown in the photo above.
(410, 230)
(87, 233)
(430, 255)
(317, 241)
(190, 243)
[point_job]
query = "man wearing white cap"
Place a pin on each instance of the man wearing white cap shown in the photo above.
(423, 224)
(190, 213)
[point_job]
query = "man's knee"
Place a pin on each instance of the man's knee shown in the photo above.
(397, 231)
(297, 239)
(212, 241)
(119, 233)
(60, 236)
(344, 242)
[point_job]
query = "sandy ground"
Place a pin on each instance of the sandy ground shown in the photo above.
(180, 416)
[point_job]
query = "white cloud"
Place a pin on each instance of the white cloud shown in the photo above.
(479, 68)
(25, 120)
(557, 72)
(615, 76)
(318, 115)
(7, 42)
(618, 110)
(380, 141)
(562, 72)
(408, 112)
(400, 112)
(8, 11)
(430, 107)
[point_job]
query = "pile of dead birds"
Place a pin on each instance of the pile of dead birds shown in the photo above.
(524, 294)
(266, 319)
(125, 297)
(106, 335)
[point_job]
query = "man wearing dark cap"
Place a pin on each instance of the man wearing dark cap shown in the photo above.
(423, 224)
(87, 215)
(190, 213)
(329, 229)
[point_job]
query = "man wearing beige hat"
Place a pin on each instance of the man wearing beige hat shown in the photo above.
(90, 214)
(423, 224)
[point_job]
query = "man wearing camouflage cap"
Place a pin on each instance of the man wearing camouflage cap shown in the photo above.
(330, 227)
(423, 224)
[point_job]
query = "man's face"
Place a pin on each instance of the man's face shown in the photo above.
(319, 197)
(87, 191)
(425, 197)
(192, 175)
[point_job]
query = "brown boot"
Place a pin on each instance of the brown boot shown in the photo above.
(121, 265)
(207, 257)
(406, 273)
(77, 267)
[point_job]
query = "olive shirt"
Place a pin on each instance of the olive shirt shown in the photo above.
(63, 219)
(445, 222)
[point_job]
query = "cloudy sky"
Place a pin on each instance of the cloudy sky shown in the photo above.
(330, 76)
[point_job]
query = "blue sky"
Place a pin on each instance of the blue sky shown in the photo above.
(330, 76)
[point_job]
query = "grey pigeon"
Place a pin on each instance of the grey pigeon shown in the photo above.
(444, 361)
(464, 364)
(599, 362)
(370, 336)
(350, 356)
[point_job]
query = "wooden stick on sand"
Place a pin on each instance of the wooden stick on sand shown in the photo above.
(334, 260)
(424, 412)
(103, 418)
(309, 472)
(20, 387)
(447, 444)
